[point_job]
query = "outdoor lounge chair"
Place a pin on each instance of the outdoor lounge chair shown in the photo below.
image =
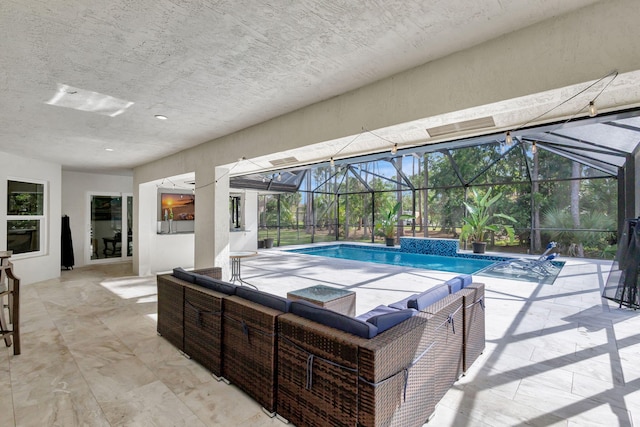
(541, 267)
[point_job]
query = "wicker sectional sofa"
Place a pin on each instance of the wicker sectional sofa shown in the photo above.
(315, 367)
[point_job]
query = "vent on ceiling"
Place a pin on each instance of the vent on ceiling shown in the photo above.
(480, 123)
(283, 161)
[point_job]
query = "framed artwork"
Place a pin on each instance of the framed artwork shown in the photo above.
(177, 206)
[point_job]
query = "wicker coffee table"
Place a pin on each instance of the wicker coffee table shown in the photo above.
(335, 299)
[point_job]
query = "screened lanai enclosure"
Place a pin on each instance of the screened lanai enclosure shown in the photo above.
(572, 184)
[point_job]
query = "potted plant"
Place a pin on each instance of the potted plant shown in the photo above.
(479, 220)
(386, 227)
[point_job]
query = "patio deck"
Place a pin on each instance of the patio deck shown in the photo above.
(556, 355)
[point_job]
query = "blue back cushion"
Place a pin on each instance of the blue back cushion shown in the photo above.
(384, 317)
(182, 274)
(263, 298)
(402, 304)
(454, 284)
(334, 320)
(428, 297)
(466, 279)
(215, 285)
(389, 320)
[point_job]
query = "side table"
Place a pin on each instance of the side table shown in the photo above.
(235, 266)
(338, 300)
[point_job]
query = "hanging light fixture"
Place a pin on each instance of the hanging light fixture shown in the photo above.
(279, 177)
(593, 110)
(508, 139)
(394, 149)
(534, 148)
(331, 161)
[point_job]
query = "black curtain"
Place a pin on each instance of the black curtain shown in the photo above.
(622, 284)
(67, 244)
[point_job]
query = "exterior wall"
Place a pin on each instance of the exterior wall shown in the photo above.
(569, 49)
(31, 269)
(75, 195)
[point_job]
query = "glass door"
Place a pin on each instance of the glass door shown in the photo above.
(110, 226)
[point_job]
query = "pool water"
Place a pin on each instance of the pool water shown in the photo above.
(395, 257)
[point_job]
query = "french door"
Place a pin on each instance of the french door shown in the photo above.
(110, 226)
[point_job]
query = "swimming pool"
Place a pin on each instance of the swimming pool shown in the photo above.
(460, 265)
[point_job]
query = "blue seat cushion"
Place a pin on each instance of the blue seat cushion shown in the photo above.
(182, 274)
(402, 304)
(332, 319)
(264, 298)
(389, 320)
(428, 297)
(215, 284)
(381, 309)
(467, 279)
(454, 284)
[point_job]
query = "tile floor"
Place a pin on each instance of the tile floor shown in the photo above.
(556, 355)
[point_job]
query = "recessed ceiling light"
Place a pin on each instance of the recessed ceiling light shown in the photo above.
(160, 117)
(108, 149)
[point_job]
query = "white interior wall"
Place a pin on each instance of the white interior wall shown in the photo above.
(31, 269)
(171, 250)
(75, 193)
(158, 252)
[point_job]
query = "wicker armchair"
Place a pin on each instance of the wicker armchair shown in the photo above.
(203, 327)
(249, 349)
(329, 377)
(171, 309)
(317, 373)
(474, 324)
(448, 316)
(171, 293)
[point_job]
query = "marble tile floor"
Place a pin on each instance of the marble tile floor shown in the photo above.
(557, 355)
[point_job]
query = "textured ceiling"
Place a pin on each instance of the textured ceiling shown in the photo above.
(211, 67)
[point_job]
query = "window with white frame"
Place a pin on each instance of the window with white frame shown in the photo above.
(26, 215)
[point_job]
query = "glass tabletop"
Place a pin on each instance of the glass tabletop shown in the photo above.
(321, 293)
